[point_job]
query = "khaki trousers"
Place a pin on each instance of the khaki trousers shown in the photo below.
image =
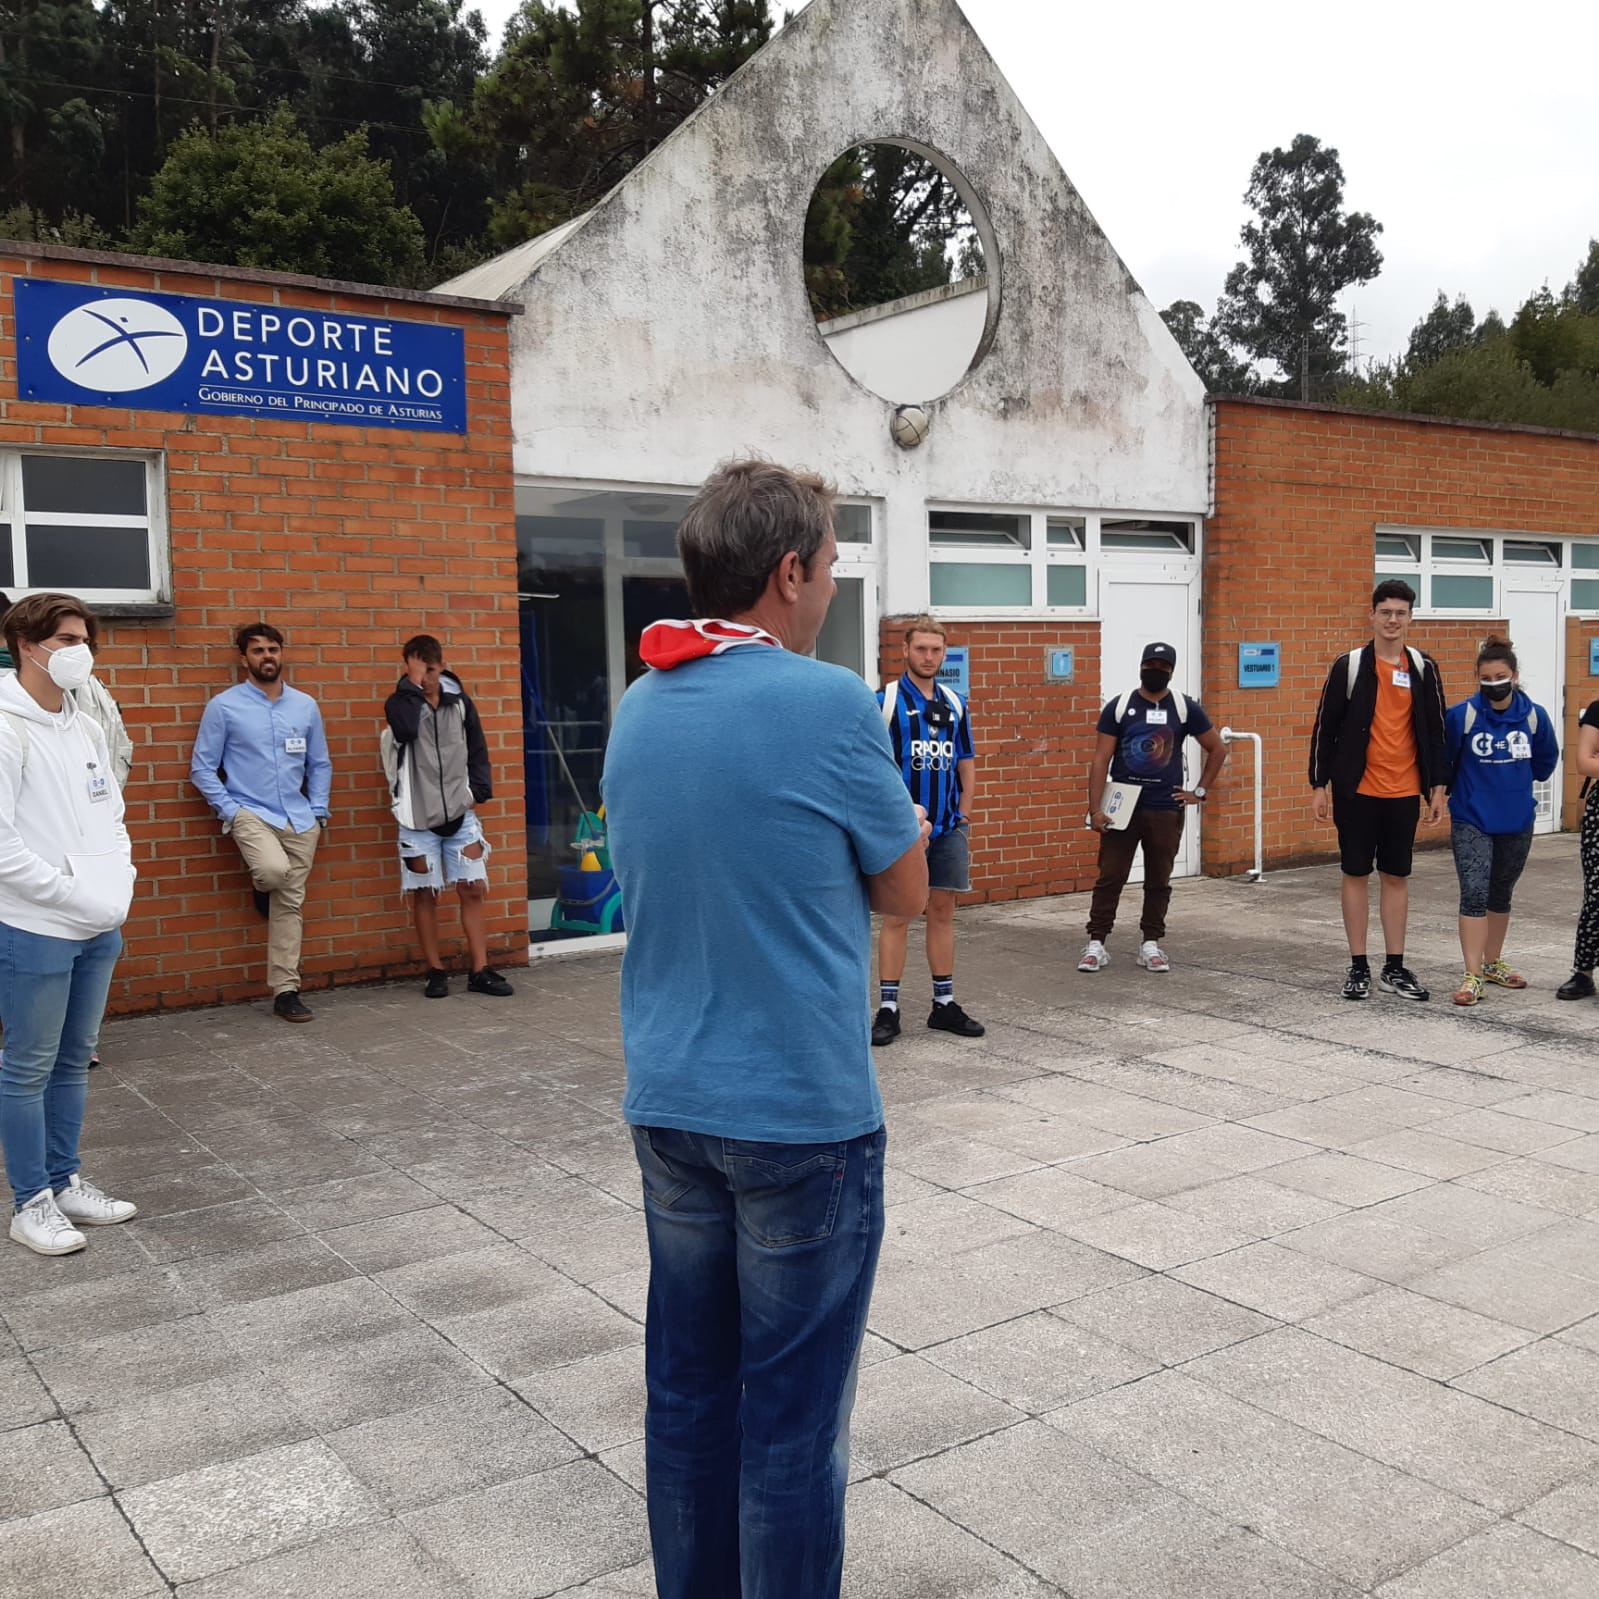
(280, 862)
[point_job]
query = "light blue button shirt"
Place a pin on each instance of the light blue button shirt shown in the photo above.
(270, 749)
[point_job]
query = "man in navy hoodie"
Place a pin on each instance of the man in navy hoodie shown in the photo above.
(1499, 744)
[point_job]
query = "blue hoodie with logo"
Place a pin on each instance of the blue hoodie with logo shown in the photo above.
(1496, 764)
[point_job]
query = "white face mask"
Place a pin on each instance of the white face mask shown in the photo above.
(71, 666)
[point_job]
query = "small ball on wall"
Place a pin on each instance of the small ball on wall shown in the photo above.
(909, 426)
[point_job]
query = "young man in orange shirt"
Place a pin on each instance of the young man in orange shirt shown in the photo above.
(1377, 754)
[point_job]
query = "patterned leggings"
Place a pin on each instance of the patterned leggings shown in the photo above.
(1587, 956)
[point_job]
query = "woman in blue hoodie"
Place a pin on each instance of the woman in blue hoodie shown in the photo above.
(1499, 744)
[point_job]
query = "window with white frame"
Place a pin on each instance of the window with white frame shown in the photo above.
(1585, 576)
(985, 561)
(92, 525)
(1460, 574)
(852, 522)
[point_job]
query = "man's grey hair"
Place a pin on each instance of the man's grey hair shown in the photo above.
(746, 517)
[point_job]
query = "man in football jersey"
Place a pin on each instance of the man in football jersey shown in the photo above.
(931, 733)
(1140, 753)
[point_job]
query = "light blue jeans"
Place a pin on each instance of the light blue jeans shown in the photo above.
(52, 998)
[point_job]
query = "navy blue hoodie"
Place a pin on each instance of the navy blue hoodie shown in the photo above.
(1496, 765)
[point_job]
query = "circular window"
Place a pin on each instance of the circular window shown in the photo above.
(897, 268)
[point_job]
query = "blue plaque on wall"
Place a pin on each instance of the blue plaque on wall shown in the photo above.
(1060, 665)
(1258, 664)
(956, 672)
(1593, 657)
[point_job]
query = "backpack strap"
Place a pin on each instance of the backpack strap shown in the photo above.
(890, 703)
(1532, 722)
(1353, 658)
(19, 726)
(944, 691)
(1123, 703)
(1180, 705)
(1471, 720)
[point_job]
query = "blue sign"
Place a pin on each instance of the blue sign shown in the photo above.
(1593, 657)
(1258, 665)
(956, 672)
(82, 345)
(1060, 666)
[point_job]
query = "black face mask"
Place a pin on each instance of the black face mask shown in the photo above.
(1498, 692)
(1153, 679)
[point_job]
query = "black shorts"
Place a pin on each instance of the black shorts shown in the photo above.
(1380, 830)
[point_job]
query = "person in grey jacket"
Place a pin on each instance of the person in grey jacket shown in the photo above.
(437, 763)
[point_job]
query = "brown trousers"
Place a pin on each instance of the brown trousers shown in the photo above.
(1161, 834)
(280, 861)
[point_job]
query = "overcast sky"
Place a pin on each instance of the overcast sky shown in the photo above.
(1471, 132)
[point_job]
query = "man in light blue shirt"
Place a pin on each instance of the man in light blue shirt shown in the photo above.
(261, 760)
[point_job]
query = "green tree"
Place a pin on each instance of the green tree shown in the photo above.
(1303, 249)
(53, 136)
(1221, 371)
(1445, 327)
(1583, 290)
(259, 195)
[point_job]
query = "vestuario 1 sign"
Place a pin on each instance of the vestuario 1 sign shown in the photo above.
(82, 345)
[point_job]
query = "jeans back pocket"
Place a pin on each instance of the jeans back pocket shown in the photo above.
(786, 1193)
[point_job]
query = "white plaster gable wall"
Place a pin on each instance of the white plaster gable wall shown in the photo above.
(671, 329)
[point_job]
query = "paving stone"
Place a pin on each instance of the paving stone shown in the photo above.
(1254, 1205)
(1506, 1562)
(129, 1300)
(1365, 1241)
(215, 1230)
(1419, 1149)
(283, 1325)
(632, 1582)
(24, 1399)
(1164, 1319)
(1505, 1284)
(1275, 1281)
(1422, 1335)
(1339, 1510)
(370, 1562)
(1463, 1086)
(1344, 1179)
(1539, 1183)
(343, 1201)
(1154, 1235)
(42, 1468)
(1052, 1138)
(101, 1372)
(260, 1271)
(908, 1408)
(1341, 1123)
(1151, 1171)
(348, 1383)
(1040, 1268)
(1492, 1129)
(568, 1323)
(244, 1510)
(628, 1463)
(1235, 1149)
(182, 1429)
(1581, 1154)
(589, 1524)
(1570, 1513)
(477, 1279)
(387, 1242)
(1579, 1111)
(1432, 1432)
(599, 1402)
(1550, 1380)
(197, 1185)
(1570, 1246)
(85, 1548)
(442, 1450)
(945, 1225)
(1454, 1211)
(1039, 1362)
(960, 1162)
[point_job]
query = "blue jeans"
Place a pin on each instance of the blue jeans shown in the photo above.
(52, 998)
(761, 1265)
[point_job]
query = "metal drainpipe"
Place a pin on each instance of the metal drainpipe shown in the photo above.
(1228, 736)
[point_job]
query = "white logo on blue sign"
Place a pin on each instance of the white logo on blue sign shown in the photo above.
(117, 345)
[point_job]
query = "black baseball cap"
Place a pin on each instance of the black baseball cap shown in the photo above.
(1159, 652)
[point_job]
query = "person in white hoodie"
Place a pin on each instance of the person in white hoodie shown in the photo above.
(66, 883)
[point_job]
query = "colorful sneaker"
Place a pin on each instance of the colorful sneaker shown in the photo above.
(84, 1204)
(1095, 957)
(950, 1018)
(1357, 985)
(885, 1026)
(1402, 981)
(1470, 990)
(1152, 957)
(41, 1227)
(1498, 972)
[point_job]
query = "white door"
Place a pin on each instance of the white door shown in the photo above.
(1532, 608)
(1137, 609)
(849, 635)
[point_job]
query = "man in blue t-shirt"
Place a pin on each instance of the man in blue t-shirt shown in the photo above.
(749, 866)
(931, 733)
(1140, 751)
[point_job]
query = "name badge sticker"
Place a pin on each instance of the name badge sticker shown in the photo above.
(1155, 718)
(294, 745)
(1401, 679)
(99, 788)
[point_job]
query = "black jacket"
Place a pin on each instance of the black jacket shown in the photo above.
(404, 710)
(1343, 725)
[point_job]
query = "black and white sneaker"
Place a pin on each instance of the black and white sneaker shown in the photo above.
(950, 1018)
(885, 1026)
(1402, 981)
(1357, 985)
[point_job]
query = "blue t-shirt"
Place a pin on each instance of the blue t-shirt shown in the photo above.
(747, 797)
(1494, 767)
(927, 745)
(1149, 745)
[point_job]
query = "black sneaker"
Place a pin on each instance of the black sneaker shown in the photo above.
(438, 984)
(951, 1018)
(1402, 981)
(489, 982)
(1357, 985)
(1578, 986)
(885, 1026)
(290, 1007)
(263, 901)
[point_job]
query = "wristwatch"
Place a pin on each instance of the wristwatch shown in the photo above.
(1199, 793)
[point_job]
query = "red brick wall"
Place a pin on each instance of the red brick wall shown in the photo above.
(1289, 556)
(1034, 743)
(349, 539)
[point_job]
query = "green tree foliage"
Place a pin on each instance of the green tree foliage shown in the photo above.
(1444, 328)
(1219, 368)
(1583, 291)
(258, 194)
(1303, 249)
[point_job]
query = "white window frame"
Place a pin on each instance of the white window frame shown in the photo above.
(1041, 556)
(1428, 564)
(1580, 574)
(14, 511)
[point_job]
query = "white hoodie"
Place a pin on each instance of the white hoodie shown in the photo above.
(66, 865)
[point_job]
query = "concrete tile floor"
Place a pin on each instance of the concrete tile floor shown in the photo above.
(1205, 1285)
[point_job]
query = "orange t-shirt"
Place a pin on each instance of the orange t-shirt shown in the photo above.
(1392, 771)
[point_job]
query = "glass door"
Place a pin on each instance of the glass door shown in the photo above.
(849, 635)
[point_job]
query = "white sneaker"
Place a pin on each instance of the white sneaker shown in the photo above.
(83, 1202)
(41, 1227)
(1152, 957)
(1095, 956)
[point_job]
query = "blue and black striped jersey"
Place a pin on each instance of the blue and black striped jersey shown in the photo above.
(927, 744)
